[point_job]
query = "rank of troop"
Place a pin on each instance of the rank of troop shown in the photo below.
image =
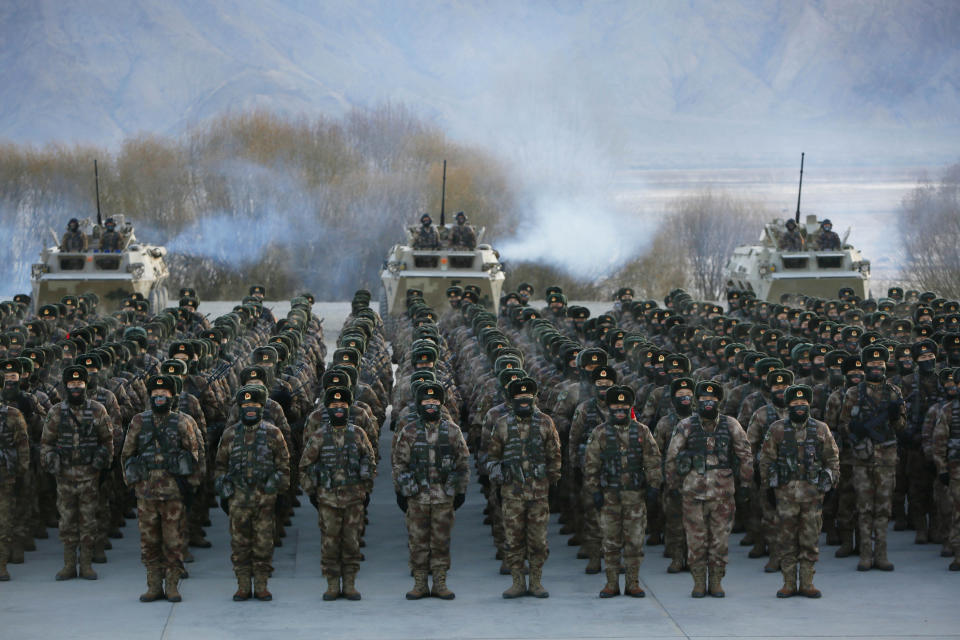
(651, 424)
(682, 423)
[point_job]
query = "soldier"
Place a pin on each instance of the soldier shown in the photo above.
(337, 470)
(675, 541)
(827, 240)
(622, 471)
(871, 418)
(704, 451)
(791, 240)
(14, 468)
(76, 445)
(946, 457)
(523, 460)
(161, 462)
(74, 240)
(463, 237)
(252, 469)
(431, 472)
(426, 236)
(920, 395)
(110, 239)
(799, 463)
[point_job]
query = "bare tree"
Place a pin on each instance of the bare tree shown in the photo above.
(706, 228)
(930, 231)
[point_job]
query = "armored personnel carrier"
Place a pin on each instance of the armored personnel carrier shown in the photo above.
(113, 275)
(771, 273)
(434, 270)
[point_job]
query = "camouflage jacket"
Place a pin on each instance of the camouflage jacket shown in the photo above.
(50, 452)
(600, 465)
(435, 481)
(946, 446)
(348, 490)
(714, 483)
(14, 444)
(160, 484)
(535, 483)
(261, 463)
(867, 451)
(799, 489)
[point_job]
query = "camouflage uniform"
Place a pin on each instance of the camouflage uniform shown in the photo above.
(161, 453)
(675, 539)
(800, 480)
(252, 469)
(874, 462)
(706, 483)
(524, 460)
(337, 468)
(14, 467)
(76, 446)
(622, 461)
(946, 456)
(431, 465)
(764, 522)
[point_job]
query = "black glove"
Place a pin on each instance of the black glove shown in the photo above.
(828, 496)
(18, 486)
(366, 500)
(893, 411)
(772, 497)
(225, 505)
(674, 493)
(598, 500)
(458, 500)
(485, 481)
(314, 502)
(945, 479)
(653, 494)
(578, 477)
(742, 495)
(500, 494)
(402, 502)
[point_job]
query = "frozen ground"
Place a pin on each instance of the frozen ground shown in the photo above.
(918, 600)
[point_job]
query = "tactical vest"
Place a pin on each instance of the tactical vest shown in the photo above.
(593, 418)
(921, 399)
(516, 450)
(252, 466)
(420, 455)
(873, 413)
(8, 446)
(953, 441)
(159, 447)
(77, 440)
(792, 454)
(694, 456)
(771, 417)
(612, 465)
(346, 458)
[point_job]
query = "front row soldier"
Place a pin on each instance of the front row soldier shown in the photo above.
(799, 462)
(705, 451)
(870, 420)
(252, 469)
(14, 467)
(946, 456)
(336, 471)
(622, 473)
(161, 462)
(431, 470)
(523, 461)
(76, 445)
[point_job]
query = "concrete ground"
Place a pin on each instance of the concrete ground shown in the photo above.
(918, 600)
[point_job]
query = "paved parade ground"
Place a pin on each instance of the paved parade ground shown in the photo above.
(921, 599)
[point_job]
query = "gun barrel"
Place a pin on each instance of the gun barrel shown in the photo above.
(800, 189)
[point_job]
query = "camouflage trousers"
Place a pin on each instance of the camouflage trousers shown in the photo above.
(25, 508)
(77, 502)
(708, 524)
(800, 524)
(899, 491)
(844, 500)
(495, 511)
(8, 504)
(340, 529)
(525, 531)
(675, 538)
(591, 533)
(874, 487)
(251, 535)
(161, 533)
(920, 479)
(428, 535)
(623, 522)
(954, 517)
(764, 521)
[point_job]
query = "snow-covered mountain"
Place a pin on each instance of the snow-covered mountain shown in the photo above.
(634, 75)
